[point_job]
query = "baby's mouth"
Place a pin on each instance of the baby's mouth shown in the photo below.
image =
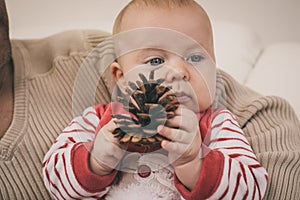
(182, 97)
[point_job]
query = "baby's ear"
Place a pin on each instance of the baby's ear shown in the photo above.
(116, 71)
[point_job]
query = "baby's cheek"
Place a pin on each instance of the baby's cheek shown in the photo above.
(205, 97)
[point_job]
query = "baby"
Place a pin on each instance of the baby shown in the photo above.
(203, 155)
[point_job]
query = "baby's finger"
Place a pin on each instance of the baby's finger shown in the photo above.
(176, 135)
(118, 152)
(110, 126)
(108, 152)
(174, 147)
(184, 119)
(175, 122)
(107, 131)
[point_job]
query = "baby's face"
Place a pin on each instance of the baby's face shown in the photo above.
(178, 46)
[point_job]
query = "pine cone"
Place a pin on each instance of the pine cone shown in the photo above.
(151, 104)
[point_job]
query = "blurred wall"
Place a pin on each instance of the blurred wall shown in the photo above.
(274, 20)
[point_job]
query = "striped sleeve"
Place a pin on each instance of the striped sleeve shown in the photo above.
(229, 170)
(65, 166)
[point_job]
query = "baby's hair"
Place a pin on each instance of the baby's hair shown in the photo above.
(150, 3)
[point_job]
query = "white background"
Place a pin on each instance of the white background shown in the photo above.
(273, 20)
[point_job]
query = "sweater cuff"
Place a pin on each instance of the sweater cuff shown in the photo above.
(88, 180)
(209, 179)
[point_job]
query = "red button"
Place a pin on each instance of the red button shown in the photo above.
(144, 171)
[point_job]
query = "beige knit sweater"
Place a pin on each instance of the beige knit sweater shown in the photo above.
(46, 99)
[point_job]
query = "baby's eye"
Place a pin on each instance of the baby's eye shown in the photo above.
(195, 58)
(155, 61)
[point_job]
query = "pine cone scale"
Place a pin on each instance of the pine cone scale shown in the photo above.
(152, 104)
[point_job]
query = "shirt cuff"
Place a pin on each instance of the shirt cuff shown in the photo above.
(88, 180)
(209, 179)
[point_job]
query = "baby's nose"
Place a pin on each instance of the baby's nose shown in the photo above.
(178, 71)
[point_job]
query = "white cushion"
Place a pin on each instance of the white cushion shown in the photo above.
(237, 48)
(277, 72)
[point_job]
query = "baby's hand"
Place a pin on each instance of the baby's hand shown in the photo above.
(184, 147)
(107, 151)
(183, 131)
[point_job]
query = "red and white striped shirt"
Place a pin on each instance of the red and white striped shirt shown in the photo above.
(229, 168)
